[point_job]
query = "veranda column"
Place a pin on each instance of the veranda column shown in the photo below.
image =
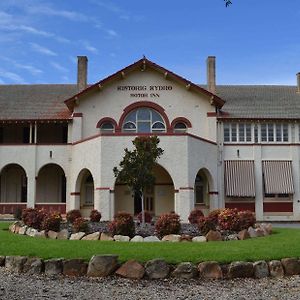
(184, 202)
(259, 193)
(31, 190)
(103, 202)
(296, 181)
(74, 201)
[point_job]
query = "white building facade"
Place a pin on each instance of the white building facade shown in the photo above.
(224, 146)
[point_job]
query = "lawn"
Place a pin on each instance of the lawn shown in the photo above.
(283, 243)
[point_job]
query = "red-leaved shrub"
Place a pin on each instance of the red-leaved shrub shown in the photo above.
(195, 215)
(122, 225)
(80, 225)
(168, 223)
(72, 215)
(148, 217)
(95, 216)
(214, 215)
(228, 219)
(246, 219)
(33, 217)
(52, 222)
(205, 224)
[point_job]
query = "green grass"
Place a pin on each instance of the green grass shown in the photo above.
(283, 243)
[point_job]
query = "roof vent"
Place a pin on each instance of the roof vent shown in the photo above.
(298, 82)
(211, 74)
(82, 73)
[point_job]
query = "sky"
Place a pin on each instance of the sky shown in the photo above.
(254, 41)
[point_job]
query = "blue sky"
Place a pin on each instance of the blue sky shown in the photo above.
(254, 41)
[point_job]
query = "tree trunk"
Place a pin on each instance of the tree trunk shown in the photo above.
(143, 210)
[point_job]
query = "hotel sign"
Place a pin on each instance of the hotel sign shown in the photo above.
(144, 91)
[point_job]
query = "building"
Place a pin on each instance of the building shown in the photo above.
(224, 146)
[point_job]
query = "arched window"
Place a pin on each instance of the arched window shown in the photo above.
(180, 127)
(107, 127)
(144, 120)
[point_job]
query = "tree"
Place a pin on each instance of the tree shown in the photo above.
(136, 167)
(227, 3)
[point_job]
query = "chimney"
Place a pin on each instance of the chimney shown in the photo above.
(82, 72)
(298, 82)
(211, 74)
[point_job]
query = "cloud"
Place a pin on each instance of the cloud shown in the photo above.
(31, 69)
(59, 67)
(87, 46)
(111, 32)
(42, 50)
(11, 76)
(112, 8)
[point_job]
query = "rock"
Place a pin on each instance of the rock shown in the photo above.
(74, 267)
(137, 239)
(15, 227)
(105, 237)
(33, 266)
(240, 269)
(199, 239)
(213, 236)
(131, 269)
(23, 229)
(266, 227)
(63, 235)
(243, 235)
(261, 269)
(102, 265)
(157, 269)
(77, 236)
(31, 232)
(252, 232)
(2, 261)
(210, 270)
(225, 271)
(185, 238)
(185, 270)
(121, 238)
(41, 234)
(171, 238)
(53, 266)
(52, 234)
(259, 232)
(92, 237)
(276, 269)
(151, 238)
(15, 263)
(231, 237)
(291, 266)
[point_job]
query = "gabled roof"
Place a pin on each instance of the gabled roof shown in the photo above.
(35, 101)
(142, 64)
(260, 101)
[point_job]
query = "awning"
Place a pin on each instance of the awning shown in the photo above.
(239, 178)
(278, 177)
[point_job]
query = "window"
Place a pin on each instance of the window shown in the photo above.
(237, 132)
(274, 132)
(180, 127)
(144, 120)
(199, 190)
(107, 127)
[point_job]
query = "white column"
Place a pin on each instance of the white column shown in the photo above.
(103, 202)
(35, 133)
(31, 188)
(296, 181)
(77, 128)
(259, 193)
(30, 133)
(184, 203)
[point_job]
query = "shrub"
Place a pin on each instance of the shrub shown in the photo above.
(33, 217)
(205, 224)
(246, 219)
(195, 215)
(148, 217)
(214, 215)
(95, 216)
(168, 224)
(228, 219)
(122, 224)
(52, 222)
(72, 215)
(80, 225)
(18, 213)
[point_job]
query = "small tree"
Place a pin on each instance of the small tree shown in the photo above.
(136, 168)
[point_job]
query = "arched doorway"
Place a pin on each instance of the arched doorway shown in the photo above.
(13, 188)
(201, 190)
(51, 188)
(157, 200)
(85, 187)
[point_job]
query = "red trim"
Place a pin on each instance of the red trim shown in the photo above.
(75, 194)
(10, 208)
(102, 188)
(278, 206)
(213, 193)
(107, 120)
(55, 207)
(62, 120)
(186, 188)
(181, 120)
(87, 139)
(141, 64)
(211, 114)
(75, 115)
(262, 144)
(241, 205)
(201, 139)
(148, 104)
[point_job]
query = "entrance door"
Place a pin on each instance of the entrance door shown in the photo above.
(148, 201)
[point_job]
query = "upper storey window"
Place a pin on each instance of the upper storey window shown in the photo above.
(180, 127)
(107, 127)
(144, 120)
(237, 132)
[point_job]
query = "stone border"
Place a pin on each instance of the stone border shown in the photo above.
(107, 265)
(260, 230)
